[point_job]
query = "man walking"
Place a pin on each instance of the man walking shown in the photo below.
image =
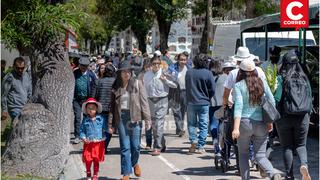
(178, 95)
(16, 90)
(84, 80)
(200, 84)
(157, 86)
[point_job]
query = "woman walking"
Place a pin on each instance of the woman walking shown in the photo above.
(128, 107)
(248, 124)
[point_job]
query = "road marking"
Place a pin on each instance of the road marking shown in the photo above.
(172, 166)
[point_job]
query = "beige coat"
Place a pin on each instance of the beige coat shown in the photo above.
(139, 107)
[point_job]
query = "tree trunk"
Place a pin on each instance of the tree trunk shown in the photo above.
(39, 141)
(203, 48)
(250, 6)
(141, 37)
(164, 29)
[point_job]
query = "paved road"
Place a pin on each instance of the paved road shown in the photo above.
(175, 164)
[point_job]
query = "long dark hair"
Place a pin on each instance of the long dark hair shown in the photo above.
(254, 85)
(118, 83)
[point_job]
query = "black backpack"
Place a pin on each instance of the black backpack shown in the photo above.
(297, 93)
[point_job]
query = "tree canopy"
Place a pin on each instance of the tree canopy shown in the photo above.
(34, 23)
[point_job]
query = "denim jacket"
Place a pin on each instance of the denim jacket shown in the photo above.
(93, 130)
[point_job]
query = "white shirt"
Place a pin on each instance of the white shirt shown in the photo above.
(217, 99)
(182, 78)
(124, 101)
(156, 87)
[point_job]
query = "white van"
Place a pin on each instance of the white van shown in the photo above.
(255, 41)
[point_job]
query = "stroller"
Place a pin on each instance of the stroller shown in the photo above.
(226, 142)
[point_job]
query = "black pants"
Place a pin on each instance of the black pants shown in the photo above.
(293, 131)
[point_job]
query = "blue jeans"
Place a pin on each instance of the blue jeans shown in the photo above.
(197, 116)
(13, 115)
(108, 135)
(130, 138)
(214, 127)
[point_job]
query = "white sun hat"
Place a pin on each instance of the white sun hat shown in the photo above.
(230, 62)
(242, 54)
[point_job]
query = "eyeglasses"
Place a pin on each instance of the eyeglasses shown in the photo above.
(156, 63)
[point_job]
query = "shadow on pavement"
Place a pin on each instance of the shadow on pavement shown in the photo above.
(75, 152)
(208, 171)
(100, 178)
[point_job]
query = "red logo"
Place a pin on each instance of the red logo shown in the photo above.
(294, 14)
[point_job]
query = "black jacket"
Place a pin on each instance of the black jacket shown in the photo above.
(101, 91)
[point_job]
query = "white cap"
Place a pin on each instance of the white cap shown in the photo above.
(247, 65)
(157, 52)
(228, 63)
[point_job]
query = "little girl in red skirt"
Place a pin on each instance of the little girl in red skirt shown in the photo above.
(93, 133)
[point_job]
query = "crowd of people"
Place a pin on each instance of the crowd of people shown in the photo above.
(116, 94)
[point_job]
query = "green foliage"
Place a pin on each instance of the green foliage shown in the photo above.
(199, 8)
(265, 7)
(95, 26)
(33, 23)
(171, 10)
(271, 75)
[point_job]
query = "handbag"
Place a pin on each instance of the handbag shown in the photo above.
(269, 112)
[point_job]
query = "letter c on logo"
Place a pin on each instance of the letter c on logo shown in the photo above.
(289, 10)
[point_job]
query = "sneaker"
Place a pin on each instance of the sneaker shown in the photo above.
(200, 151)
(126, 177)
(217, 155)
(193, 148)
(156, 152)
(276, 176)
(147, 148)
(95, 177)
(107, 151)
(182, 133)
(88, 176)
(305, 173)
(137, 170)
(76, 140)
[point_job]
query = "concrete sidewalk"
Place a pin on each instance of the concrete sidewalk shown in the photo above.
(175, 164)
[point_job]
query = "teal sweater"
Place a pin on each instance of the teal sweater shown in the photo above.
(242, 108)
